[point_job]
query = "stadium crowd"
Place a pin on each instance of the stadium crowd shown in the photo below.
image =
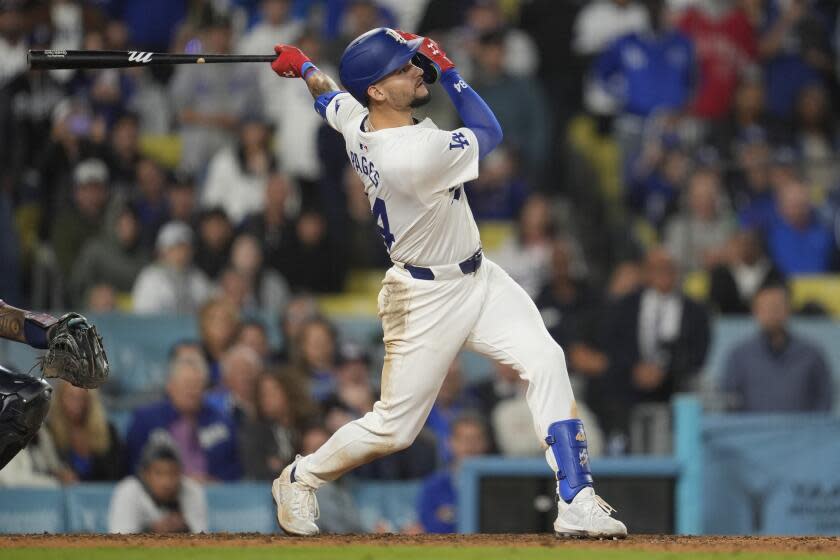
(646, 143)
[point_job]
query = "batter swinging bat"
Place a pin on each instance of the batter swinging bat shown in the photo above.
(55, 59)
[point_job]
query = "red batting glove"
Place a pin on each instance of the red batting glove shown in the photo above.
(431, 50)
(291, 62)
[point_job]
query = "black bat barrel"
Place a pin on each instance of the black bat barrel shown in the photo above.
(56, 59)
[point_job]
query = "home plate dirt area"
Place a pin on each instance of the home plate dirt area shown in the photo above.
(372, 547)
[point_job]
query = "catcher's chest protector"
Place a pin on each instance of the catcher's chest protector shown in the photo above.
(24, 402)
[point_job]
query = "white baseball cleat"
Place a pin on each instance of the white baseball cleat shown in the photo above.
(588, 516)
(297, 506)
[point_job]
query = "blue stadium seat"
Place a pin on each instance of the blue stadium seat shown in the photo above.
(31, 510)
(241, 507)
(87, 507)
(394, 502)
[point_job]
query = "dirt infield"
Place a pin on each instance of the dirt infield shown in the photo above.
(659, 543)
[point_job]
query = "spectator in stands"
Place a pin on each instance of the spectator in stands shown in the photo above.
(159, 499)
(254, 334)
(12, 41)
(236, 395)
(521, 57)
(218, 323)
(353, 396)
(186, 348)
(750, 182)
(276, 25)
(246, 164)
(698, 234)
(149, 195)
(86, 442)
(527, 255)
(748, 111)
(437, 499)
(655, 178)
(300, 310)
(566, 299)
(499, 191)
(601, 22)
(598, 24)
(776, 370)
(69, 144)
(156, 35)
(209, 104)
(82, 220)
(798, 242)
(265, 289)
(664, 57)
(727, 45)
(181, 203)
(519, 103)
(339, 512)
(318, 264)
(451, 402)
(656, 341)
(215, 236)
(171, 284)
(124, 151)
(100, 298)
(734, 283)
(271, 440)
(794, 49)
(314, 356)
(203, 436)
(27, 102)
(627, 277)
(504, 384)
(273, 226)
(815, 137)
(114, 258)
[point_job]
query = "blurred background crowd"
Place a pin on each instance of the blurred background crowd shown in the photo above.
(665, 163)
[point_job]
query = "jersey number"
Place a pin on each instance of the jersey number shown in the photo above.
(381, 217)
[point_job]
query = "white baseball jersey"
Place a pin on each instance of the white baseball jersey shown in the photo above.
(413, 177)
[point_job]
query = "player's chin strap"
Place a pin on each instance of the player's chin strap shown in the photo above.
(567, 441)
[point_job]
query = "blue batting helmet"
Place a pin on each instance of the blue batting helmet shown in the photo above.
(372, 56)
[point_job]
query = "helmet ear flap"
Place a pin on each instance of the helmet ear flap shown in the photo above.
(431, 71)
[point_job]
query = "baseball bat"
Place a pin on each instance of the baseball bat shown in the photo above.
(56, 59)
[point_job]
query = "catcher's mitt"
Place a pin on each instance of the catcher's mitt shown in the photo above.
(75, 353)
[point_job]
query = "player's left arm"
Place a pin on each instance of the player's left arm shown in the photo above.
(474, 112)
(25, 326)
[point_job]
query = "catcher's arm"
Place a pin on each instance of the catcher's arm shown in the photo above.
(25, 326)
(74, 348)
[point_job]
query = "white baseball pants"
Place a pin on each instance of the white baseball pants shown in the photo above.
(425, 324)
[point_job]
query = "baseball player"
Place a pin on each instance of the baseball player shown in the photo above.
(441, 294)
(74, 353)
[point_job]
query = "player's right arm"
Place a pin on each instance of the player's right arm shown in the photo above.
(291, 62)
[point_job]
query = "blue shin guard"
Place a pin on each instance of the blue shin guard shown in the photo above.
(568, 443)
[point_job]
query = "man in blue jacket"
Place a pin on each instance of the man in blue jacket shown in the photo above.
(204, 437)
